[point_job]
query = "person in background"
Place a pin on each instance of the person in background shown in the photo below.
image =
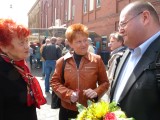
(50, 53)
(32, 45)
(116, 43)
(117, 49)
(84, 74)
(53, 40)
(46, 42)
(59, 43)
(136, 87)
(20, 91)
(30, 57)
(38, 56)
(90, 47)
(67, 48)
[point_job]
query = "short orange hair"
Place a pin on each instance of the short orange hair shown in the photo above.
(74, 30)
(9, 30)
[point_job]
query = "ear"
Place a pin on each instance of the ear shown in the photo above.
(146, 17)
(3, 48)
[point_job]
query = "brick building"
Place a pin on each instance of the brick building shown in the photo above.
(100, 16)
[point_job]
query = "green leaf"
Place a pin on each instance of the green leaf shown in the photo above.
(89, 102)
(113, 107)
(80, 107)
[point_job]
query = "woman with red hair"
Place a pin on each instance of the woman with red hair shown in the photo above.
(79, 75)
(20, 91)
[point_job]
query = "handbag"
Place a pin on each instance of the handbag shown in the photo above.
(55, 100)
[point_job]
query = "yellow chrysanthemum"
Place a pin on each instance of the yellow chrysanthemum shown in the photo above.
(95, 111)
(82, 115)
(101, 108)
(98, 111)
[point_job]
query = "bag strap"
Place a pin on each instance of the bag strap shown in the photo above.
(63, 66)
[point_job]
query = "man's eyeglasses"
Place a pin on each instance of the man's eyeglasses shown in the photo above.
(123, 24)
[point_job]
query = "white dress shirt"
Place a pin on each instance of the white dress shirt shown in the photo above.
(129, 66)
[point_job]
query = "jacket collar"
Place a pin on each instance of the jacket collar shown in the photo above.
(70, 55)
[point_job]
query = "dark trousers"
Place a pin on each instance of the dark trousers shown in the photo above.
(65, 114)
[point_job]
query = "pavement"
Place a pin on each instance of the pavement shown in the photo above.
(45, 112)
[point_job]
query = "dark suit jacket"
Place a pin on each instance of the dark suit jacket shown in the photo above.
(140, 98)
(13, 95)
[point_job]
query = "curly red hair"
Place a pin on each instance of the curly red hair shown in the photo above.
(9, 30)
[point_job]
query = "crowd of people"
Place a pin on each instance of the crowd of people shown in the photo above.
(131, 78)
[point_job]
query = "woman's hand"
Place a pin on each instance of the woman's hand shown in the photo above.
(74, 97)
(90, 93)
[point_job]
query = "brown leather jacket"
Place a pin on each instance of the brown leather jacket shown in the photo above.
(90, 74)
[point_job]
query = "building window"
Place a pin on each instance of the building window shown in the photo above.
(66, 16)
(91, 5)
(69, 10)
(73, 12)
(46, 21)
(98, 3)
(104, 42)
(85, 6)
(55, 13)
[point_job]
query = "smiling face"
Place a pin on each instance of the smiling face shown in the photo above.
(131, 29)
(137, 23)
(80, 44)
(17, 50)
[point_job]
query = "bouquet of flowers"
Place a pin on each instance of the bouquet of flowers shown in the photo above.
(101, 111)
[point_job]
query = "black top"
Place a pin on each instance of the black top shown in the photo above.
(13, 95)
(51, 52)
(77, 58)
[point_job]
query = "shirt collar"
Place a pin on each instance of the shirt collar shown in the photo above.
(142, 48)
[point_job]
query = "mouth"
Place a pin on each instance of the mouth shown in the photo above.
(84, 48)
(26, 52)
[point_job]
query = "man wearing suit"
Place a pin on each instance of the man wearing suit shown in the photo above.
(135, 87)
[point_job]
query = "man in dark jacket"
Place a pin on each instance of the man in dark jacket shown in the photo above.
(135, 87)
(50, 53)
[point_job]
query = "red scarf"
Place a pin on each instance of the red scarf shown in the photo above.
(34, 92)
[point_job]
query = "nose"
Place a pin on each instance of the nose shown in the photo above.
(26, 45)
(121, 30)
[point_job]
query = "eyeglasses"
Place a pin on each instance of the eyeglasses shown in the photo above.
(123, 24)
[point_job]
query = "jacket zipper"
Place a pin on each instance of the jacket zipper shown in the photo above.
(77, 74)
